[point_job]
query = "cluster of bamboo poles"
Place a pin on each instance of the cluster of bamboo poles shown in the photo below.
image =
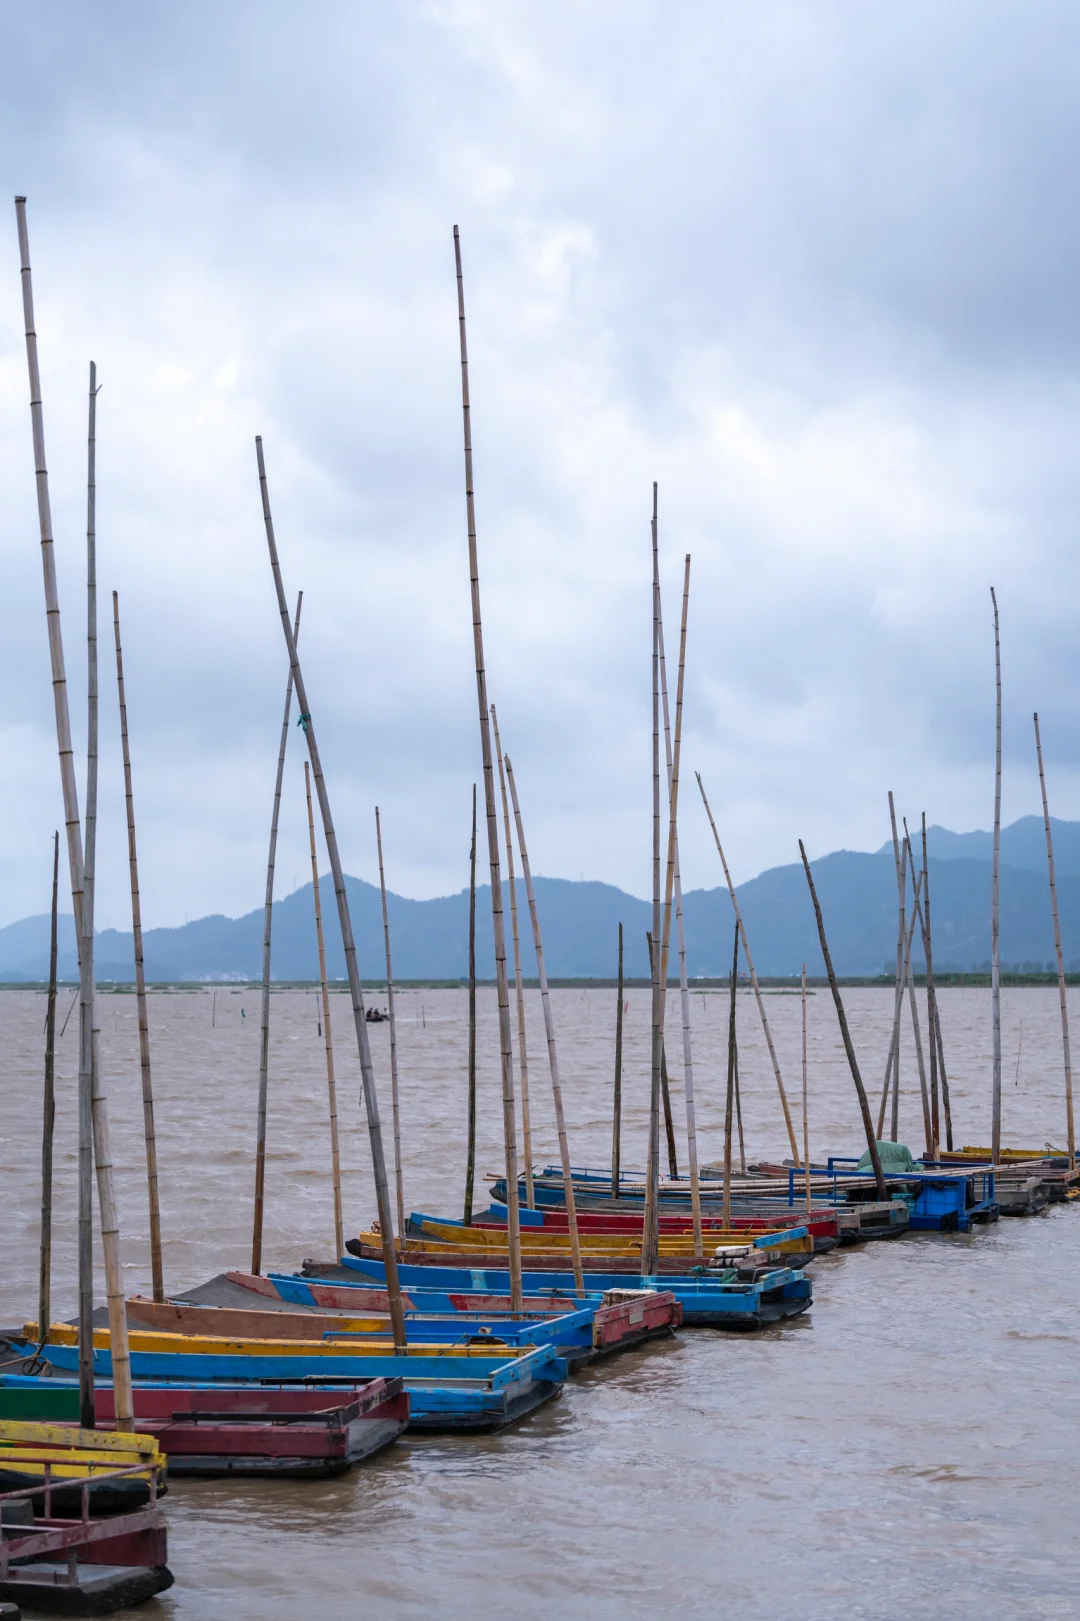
(667, 907)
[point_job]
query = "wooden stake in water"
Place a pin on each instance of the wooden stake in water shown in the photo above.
(792, 1139)
(995, 896)
(470, 1149)
(805, 1106)
(519, 986)
(924, 1090)
(395, 1103)
(497, 918)
(1065, 1047)
(849, 1047)
(264, 1020)
(549, 1031)
(156, 1269)
(650, 1245)
(616, 1117)
(730, 1102)
(328, 1039)
(371, 1102)
(48, 1120)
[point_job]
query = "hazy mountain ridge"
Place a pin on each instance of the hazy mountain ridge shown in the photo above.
(580, 922)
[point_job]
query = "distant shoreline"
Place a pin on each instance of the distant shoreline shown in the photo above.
(788, 984)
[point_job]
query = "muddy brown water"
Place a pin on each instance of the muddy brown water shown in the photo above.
(905, 1449)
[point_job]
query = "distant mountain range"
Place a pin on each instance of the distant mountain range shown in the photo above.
(580, 923)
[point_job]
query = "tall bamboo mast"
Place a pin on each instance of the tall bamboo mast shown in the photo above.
(892, 1066)
(497, 918)
(616, 1113)
(93, 1124)
(674, 883)
(371, 1102)
(928, 1126)
(395, 1102)
(470, 1147)
(665, 915)
(328, 1037)
(110, 1223)
(650, 1237)
(73, 834)
(549, 1031)
(995, 898)
(730, 1098)
(519, 985)
(1065, 1047)
(48, 1119)
(849, 1047)
(931, 996)
(901, 889)
(156, 1270)
(264, 1017)
(805, 1104)
(905, 975)
(792, 1139)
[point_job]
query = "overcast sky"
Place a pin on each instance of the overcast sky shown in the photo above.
(814, 269)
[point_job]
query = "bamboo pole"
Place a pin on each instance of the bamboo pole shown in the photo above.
(900, 859)
(805, 1107)
(892, 1066)
(650, 1246)
(616, 1118)
(1065, 1047)
(264, 1017)
(48, 1120)
(944, 1088)
(792, 1139)
(519, 985)
(995, 900)
(73, 836)
(498, 921)
(928, 1125)
(328, 1037)
(931, 997)
(156, 1270)
(665, 1089)
(371, 1102)
(470, 1149)
(674, 755)
(730, 1083)
(738, 1114)
(849, 1048)
(110, 1223)
(395, 1103)
(905, 971)
(549, 1031)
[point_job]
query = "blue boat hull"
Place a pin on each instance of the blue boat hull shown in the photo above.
(720, 1305)
(446, 1393)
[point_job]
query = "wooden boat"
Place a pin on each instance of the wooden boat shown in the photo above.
(58, 1462)
(449, 1386)
(822, 1225)
(940, 1200)
(83, 1564)
(571, 1325)
(474, 1246)
(756, 1198)
(1015, 1169)
(737, 1298)
(621, 1317)
(308, 1434)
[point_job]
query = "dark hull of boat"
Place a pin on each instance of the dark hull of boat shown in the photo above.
(106, 1497)
(100, 1589)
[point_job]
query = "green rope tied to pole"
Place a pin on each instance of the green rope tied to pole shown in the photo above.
(303, 721)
